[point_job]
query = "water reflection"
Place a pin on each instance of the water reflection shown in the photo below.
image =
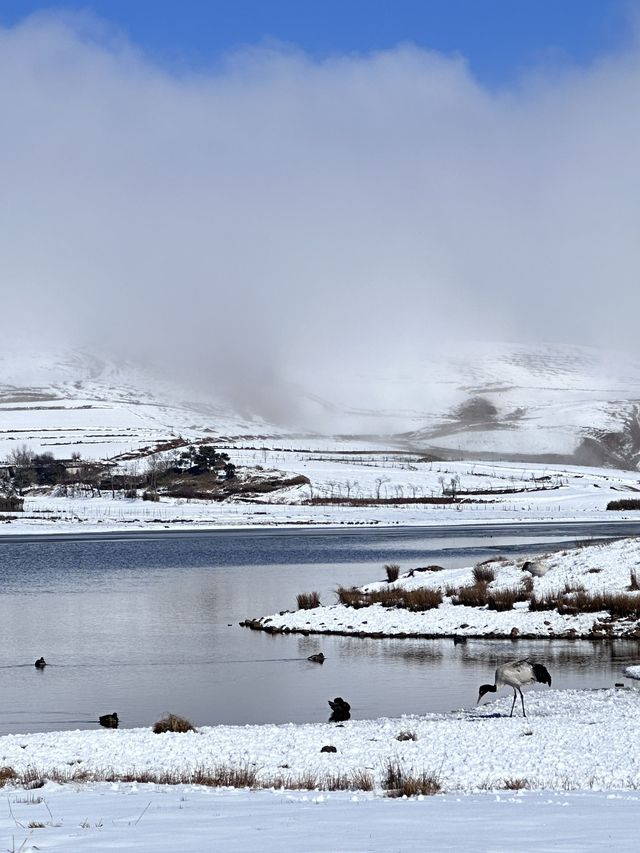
(145, 628)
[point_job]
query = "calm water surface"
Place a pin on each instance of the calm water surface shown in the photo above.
(146, 626)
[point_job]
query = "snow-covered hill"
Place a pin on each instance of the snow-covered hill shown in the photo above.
(545, 403)
(60, 402)
(509, 401)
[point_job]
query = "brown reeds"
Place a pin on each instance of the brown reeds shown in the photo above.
(173, 723)
(308, 600)
(393, 572)
(397, 782)
(220, 776)
(483, 573)
(475, 595)
(418, 599)
(504, 598)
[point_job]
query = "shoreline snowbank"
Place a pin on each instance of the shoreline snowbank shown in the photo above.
(604, 568)
(570, 740)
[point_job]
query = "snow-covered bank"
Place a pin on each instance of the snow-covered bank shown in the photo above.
(604, 569)
(633, 672)
(570, 740)
(150, 818)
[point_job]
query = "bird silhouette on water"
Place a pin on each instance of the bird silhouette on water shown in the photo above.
(516, 674)
(109, 721)
(40, 663)
(340, 710)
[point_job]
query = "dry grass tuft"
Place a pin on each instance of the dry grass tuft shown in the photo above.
(505, 598)
(398, 783)
(634, 585)
(543, 601)
(308, 600)
(527, 583)
(221, 776)
(574, 600)
(173, 723)
(482, 573)
(406, 735)
(516, 784)
(393, 572)
(475, 595)
(407, 599)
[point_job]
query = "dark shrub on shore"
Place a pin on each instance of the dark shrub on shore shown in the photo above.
(173, 723)
(624, 503)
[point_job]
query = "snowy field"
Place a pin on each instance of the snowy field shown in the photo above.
(510, 492)
(572, 741)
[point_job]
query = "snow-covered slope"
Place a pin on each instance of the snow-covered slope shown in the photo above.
(498, 400)
(65, 401)
(545, 403)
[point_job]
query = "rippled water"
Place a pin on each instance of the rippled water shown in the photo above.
(144, 626)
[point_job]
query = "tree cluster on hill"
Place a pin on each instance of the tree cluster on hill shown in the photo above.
(202, 458)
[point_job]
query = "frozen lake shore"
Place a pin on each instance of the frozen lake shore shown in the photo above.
(573, 758)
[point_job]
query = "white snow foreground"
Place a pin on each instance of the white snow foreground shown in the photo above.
(575, 750)
(602, 568)
(153, 819)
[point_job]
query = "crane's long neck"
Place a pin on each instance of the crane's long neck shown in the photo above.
(486, 688)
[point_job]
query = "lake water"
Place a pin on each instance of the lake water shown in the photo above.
(144, 626)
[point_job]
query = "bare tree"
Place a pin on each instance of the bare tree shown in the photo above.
(380, 481)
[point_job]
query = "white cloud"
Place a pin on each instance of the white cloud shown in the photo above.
(283, 209)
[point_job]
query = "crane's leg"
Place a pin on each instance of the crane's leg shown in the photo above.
(515, 696)
(524, 713)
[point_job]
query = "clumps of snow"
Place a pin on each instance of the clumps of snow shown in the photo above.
(591, 573)
(633, 671)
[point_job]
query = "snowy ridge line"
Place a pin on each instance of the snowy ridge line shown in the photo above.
(603, 569)
(571, 740)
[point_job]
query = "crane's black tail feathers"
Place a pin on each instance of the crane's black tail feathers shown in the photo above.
(541, 674)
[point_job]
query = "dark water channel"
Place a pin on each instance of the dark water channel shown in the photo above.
(143, 626)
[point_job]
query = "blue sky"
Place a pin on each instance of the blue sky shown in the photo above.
(499, 38)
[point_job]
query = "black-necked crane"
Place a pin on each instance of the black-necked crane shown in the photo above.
(517, 674)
